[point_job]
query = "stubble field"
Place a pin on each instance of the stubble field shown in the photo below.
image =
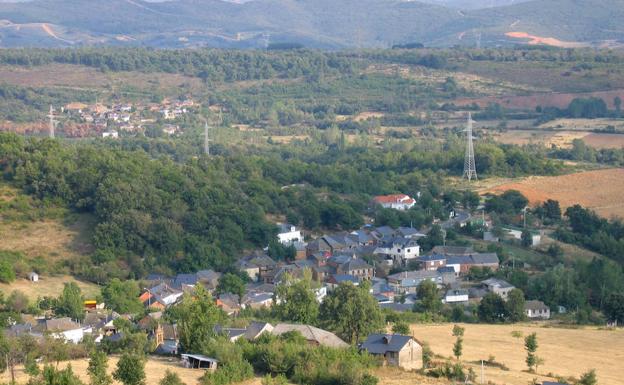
(566, 352)
(600, 190)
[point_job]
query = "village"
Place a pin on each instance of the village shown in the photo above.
(387, 260)
(80, 120)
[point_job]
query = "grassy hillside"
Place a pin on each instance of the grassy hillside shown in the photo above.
(315, 23)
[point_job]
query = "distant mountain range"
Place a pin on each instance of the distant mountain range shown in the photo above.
(311, 23)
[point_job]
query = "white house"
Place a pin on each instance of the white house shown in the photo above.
(400, 250)
(288, 234)
(65, 328)
(110, 134)
(536, 237)
(536, 310)
(396, 201)
(456, 296)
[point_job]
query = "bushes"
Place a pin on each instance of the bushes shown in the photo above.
(229, 372)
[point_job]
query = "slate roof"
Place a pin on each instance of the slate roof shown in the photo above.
(382, 343)
(499, 283)
(311, 333)
(184, 280)
(485, 258)
(535, 305)
(452, 250)
(255, 329)
(433, 257)
(339, 278)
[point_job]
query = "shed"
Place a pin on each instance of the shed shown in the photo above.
(198, 361)
(33, 277)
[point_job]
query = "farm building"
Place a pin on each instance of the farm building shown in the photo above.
(396, 350)
(198, 361)
(536, 310)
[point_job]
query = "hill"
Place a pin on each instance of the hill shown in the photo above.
(312, 23)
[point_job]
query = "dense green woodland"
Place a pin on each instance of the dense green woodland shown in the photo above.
(155, 213)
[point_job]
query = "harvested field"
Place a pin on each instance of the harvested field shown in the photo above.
(156, 366)
(48, 286)
(600, 190)
(583, 124)
(154, 370)
(566, 352)
(615, 141)
(561, 139)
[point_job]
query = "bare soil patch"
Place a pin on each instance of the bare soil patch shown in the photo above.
(615, 141)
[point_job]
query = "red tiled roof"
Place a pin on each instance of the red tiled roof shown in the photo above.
(396, 198)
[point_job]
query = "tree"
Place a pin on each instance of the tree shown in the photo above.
(552, 210)
(401, 327)
(427, 292)
(98, 363)
(196, 316)
(526, 238)
(7, 274)
(53, 376)
(492, 308)
(614, 308)
(171, 378)
(231, 283)
(70, 302)
(352, 312)
(588, 378)
(130, 369)
(515, 305)
(122, 296)
(530, 345)
(295, 299)
(458, 332)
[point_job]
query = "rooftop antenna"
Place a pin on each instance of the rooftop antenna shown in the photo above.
(470, 170)
(52, 122)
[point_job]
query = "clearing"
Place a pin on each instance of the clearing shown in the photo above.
(600, 190)
(566, 352)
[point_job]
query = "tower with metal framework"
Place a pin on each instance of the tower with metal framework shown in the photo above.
(51, 116)
(206, 140)
(470, 170)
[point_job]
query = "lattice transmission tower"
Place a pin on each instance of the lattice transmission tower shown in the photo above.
(470, 170)
(52, 122)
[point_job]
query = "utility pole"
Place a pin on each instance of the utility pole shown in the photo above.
(470, 170)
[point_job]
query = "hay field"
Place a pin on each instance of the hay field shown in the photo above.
(49, 286)
(154, 370)
(156, 367)
(566, 352)
(600, 190)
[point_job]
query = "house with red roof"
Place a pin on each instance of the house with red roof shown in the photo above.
(395, 201)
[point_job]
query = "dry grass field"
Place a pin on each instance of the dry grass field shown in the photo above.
(156, 367)
(566, 352)
(600, 190)
(49, 286)
(614, 141)
(154, 370)
(561, 139)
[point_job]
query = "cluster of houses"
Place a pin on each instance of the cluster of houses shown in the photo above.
(109, 120)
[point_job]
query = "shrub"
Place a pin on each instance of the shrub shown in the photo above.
(230, 372)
